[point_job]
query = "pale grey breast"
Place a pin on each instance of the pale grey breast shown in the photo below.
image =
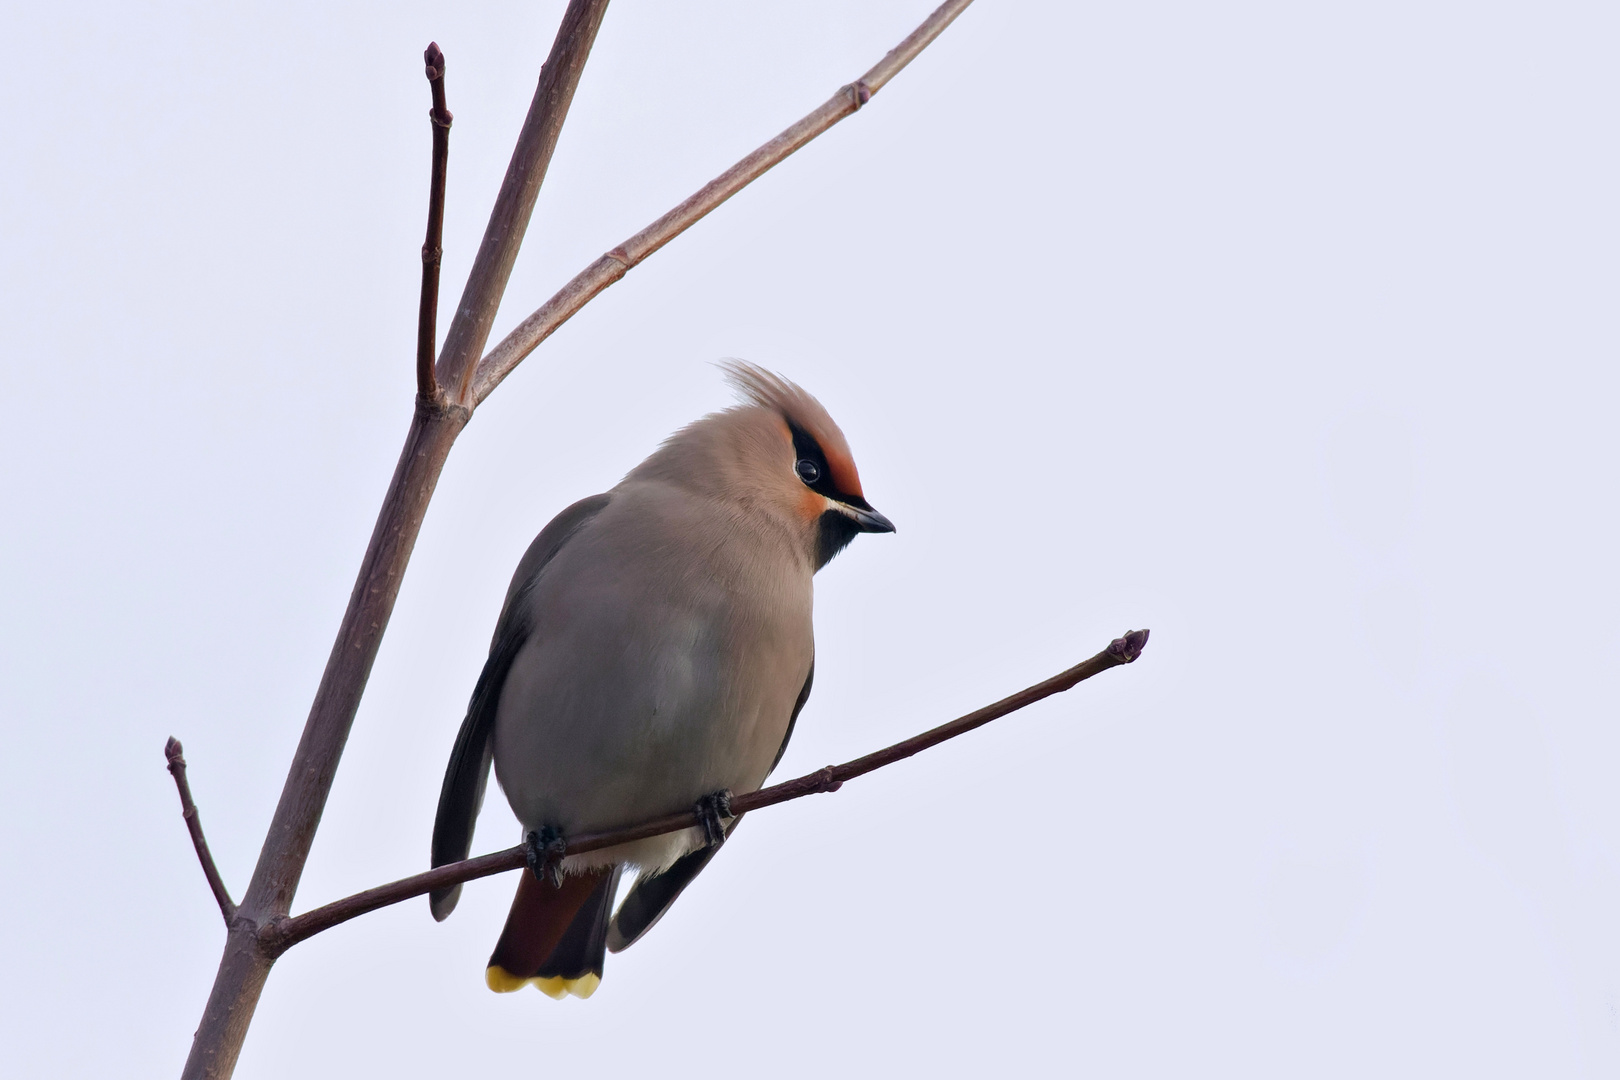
(669, 642)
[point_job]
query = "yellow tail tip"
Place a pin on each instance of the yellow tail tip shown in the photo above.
(502, 981)
(584, 986)
(554, 988)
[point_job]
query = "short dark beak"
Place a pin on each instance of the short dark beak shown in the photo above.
(868, 519)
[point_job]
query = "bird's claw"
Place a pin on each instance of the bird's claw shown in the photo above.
(712, 812)
(543, 852)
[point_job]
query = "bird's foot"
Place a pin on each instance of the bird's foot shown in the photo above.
(712, 812)
(543, 852)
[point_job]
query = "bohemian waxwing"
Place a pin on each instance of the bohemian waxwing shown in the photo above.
(653, 653)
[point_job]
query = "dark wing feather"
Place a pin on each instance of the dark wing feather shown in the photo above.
(651, 896)
(798, 707)
(467, 775)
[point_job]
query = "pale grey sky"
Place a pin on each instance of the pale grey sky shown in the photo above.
(1285, 330)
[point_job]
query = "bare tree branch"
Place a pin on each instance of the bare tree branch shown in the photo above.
(283, 934)
(509, 219)
(528, 334)
(245, 965)
(188, 810)
(427, 337)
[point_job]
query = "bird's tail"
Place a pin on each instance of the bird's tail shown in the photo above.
(555, 936)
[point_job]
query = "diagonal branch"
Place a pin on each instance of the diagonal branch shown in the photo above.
(427, 316)
(283, 934)
(528, 334)
(188, 810)
(509, 219)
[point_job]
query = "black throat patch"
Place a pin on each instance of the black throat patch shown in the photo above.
(834, 531)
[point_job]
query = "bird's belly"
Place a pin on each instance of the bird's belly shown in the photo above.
(605, 727)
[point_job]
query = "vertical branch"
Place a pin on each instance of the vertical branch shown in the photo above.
(469, 329)
(427, 336)
(188, 810)
(245, 965)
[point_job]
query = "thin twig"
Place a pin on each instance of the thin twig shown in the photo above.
(283, 934)
(427, 337)
(188, 810)
(528, 334)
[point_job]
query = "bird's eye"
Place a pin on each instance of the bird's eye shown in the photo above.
(808, 471)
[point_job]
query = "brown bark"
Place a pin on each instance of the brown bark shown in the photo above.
(188, 810)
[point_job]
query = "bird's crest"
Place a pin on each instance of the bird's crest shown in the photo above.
(801, 411)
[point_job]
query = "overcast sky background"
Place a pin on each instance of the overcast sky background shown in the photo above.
(1288, 331)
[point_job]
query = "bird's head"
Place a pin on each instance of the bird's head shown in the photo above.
(777, 453)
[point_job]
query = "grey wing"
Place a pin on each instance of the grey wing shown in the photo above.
(467, 775)
(652, 895)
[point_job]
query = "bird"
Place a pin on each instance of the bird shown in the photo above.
(652, 655)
